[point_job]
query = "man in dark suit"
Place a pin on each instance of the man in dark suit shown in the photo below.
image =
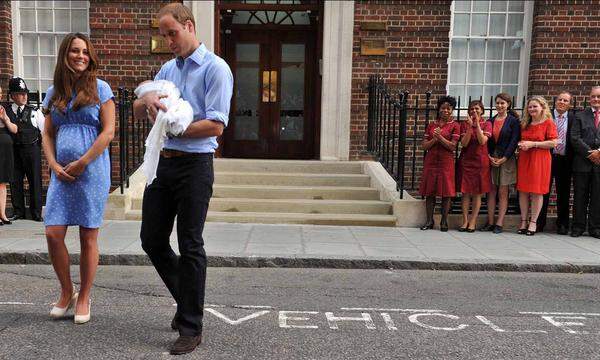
(562, 165)
(585, 139)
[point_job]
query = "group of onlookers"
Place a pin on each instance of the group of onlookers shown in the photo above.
(531, 152)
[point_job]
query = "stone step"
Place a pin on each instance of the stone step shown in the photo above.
(292, 179)
(295, 206)
(288, 166)
(291, 218)
(294, 192)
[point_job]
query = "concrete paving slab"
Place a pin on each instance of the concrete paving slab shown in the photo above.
(462, 252)
(384, 241)
(520, 255)
(568, 255)
(328, 249)
(274, 249)
(394, 252)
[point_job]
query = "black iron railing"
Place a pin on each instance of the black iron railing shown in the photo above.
(129, 142)
(396, 125)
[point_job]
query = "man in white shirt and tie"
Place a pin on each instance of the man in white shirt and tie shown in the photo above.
(27, 151)
(562, 165)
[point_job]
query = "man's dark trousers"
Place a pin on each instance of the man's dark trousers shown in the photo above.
(182, 188)
(28, 162)
(562, 175)
(587, 193)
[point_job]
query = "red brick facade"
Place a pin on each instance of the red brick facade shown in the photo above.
(417, 50)
(564, 47)
(6, 45)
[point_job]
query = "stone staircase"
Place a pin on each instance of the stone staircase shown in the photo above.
(280, 192)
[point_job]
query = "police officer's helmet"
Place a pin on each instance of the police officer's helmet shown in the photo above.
(17, 85)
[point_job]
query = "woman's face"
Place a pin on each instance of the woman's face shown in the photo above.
(534, 109)
(445, 111)
(78, 57)
(475, 111)
(501, 106)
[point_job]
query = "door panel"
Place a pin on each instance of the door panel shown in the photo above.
(272, 115)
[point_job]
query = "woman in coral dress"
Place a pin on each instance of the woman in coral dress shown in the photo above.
(441, 137)
(538, 136)
(474, 163)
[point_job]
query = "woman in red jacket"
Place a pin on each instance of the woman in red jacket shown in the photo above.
(474, 163)
(441, 137)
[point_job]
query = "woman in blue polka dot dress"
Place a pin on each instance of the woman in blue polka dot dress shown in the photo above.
(80, 123)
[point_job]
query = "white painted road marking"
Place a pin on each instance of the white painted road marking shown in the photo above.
(574, 323)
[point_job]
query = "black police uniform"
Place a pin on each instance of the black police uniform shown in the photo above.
(27, 156)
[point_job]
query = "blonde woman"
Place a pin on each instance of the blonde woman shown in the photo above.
(538, 136)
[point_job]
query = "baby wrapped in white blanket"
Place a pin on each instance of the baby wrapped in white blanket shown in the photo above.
(174, 121)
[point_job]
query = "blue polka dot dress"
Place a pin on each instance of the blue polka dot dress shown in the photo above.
(82, 201)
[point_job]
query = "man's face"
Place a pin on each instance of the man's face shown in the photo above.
(563, 102)
(180, 37)
(19, 98)
(595, 98)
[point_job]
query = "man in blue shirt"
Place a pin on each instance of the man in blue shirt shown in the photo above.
(183, 185)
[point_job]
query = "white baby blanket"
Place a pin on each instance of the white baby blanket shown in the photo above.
(175, 121)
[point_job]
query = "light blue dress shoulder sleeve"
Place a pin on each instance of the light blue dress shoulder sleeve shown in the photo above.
(104, 91)
(49, 93)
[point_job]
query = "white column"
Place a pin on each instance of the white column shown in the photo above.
(204, 14)
(338, 27)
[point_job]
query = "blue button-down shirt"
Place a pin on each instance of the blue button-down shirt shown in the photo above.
(206, 82)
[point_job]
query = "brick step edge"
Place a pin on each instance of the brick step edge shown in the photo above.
(316, 262)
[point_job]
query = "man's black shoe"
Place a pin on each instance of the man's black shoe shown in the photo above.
(37, 218)
(174, 323)
(16, 217)
(562, 230)
(595, 234)
(576, 233)
(185, 344)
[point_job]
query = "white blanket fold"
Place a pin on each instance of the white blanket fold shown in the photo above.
(175, 120)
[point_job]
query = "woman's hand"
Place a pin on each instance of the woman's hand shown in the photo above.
(75, 168)
(61, 173)
(3, 115)
(525, 145)
(501, 161)
(469, 121)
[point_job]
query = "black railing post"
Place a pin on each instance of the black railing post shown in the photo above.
(402, 143)
(122, 135)
(370, 115)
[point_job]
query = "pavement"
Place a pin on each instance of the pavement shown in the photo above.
(316, 246)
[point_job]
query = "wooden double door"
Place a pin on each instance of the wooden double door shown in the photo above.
(274, 102)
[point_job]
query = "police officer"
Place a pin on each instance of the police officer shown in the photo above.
(27, 151)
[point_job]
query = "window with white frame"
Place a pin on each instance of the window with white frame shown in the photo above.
(489, 48)
(41, 26)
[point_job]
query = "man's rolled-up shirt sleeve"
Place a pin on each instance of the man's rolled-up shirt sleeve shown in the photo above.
(219, 89)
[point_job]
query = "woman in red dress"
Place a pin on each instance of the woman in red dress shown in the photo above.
(538, 136)
(474, 163)
(441, 137)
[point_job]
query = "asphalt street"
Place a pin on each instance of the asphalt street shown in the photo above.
(312, 314)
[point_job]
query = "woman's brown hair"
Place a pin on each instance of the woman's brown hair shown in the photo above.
(506, 97)
(66, 82)
(476, 103)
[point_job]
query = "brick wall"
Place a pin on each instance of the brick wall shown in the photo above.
(564, 47)
(121, 34)
(417, 50)
(6, 53)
